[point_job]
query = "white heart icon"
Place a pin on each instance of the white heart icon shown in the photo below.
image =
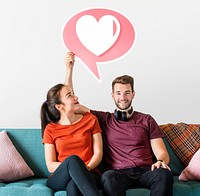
(97, 36)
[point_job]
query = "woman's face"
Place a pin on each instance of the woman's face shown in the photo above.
(68, 100)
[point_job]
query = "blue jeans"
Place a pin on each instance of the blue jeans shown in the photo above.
(73, 177)
(159, 181)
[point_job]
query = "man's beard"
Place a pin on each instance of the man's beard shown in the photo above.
(123, 108)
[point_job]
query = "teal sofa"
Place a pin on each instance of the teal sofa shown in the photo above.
(28, 142)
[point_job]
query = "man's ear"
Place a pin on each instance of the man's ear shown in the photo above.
(133, 94)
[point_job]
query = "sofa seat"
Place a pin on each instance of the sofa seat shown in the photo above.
(190, 188)
(60, 193)
(26, 187)
(185, 188)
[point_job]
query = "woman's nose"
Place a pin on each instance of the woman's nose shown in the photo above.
(75, 98)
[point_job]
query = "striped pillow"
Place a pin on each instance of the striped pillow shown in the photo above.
(12, 165)
(183, 138)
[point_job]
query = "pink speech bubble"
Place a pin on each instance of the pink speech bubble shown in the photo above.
(98, 35)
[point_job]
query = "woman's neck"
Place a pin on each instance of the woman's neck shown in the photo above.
(69, 120)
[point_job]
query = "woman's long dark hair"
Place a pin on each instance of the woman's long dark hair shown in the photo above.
(48, 112)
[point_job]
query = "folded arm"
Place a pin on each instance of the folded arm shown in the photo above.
(50, 157)
(97, 151)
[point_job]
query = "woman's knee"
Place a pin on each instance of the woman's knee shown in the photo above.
(73, 159)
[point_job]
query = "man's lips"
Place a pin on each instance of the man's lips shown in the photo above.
(123, 102)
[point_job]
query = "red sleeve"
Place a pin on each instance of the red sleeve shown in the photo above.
(47, 137)
(96, 126)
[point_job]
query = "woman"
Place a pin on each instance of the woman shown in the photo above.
(72, 142)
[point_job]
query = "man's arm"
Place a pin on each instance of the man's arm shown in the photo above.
(160, 153)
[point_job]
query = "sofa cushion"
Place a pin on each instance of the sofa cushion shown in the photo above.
(28, 142)
(179, 188)
(27, 187)
(189, 188)
(183, 138)
(12, 165)
(192, 171)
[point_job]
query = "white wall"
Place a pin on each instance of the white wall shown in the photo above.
(165, 59)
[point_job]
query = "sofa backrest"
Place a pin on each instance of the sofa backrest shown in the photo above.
(175, 163)
(28, 142)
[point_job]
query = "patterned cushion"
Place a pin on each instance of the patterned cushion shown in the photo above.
(12, 165)
(183, 138)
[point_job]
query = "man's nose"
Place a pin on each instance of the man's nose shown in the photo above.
(123, 96)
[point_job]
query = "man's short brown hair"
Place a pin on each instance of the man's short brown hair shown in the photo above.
(125, 79)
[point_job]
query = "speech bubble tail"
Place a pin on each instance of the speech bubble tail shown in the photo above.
(93, 69)
(97, 76)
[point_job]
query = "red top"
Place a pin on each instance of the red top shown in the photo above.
(75, 139)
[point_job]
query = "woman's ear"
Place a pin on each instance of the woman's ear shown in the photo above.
(58, 106)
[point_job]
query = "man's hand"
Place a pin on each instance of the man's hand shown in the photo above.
(159, 164)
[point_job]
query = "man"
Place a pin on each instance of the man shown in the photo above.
(134, 151)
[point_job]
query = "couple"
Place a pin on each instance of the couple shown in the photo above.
(132, 146)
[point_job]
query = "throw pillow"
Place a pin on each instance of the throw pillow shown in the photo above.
(12, 165)
(183, 138)
(191, 172)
